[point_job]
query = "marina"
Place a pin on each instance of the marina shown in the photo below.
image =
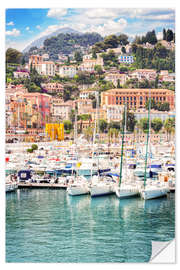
(50, 223)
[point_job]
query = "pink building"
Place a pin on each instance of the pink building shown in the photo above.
(40, 104)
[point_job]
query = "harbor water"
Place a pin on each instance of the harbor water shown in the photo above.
(44, 225)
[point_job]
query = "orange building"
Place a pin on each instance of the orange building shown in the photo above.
(35, 59)
(137, 98)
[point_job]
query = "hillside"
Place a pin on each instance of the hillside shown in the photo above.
(39, 42)
(65, 44)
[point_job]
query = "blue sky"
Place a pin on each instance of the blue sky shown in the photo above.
(25, 25)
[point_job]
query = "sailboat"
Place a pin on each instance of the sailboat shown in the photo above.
(127, 188)
(78, 185)
(151, 189)
(100, 185)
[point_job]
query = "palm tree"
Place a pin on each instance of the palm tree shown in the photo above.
(169, 126)
(116, 134)
(110, 134)
(88, 133)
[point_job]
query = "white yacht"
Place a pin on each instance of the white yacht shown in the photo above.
(78, 186)
(101, 186)
(153, 191)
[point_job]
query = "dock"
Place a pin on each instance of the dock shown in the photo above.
(41, 185)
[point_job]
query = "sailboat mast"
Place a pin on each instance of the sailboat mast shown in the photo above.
(148, 125)
(122, 145)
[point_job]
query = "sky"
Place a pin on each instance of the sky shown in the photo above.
(26, 25)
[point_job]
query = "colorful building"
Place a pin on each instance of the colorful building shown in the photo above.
(137, 98)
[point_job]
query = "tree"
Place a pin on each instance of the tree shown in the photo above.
(123, 69)
(34, 147)
(88, 133)
(67, 125)
(159, 106)
(169, 35)
(103, 125)
(169, 126)
(164, 34)
(156, 124)
(123, 49)
(111, 41)
(123, 39)
(118, 84)
(113, 124)
(144, 124)
(130, 121)
(72, 115)
(78, 56)
(151, 37)
(98, 69)
(13, 56)
(94, 55)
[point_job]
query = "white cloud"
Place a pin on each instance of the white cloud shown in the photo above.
(14, 32)
(10, 23)
(18, 45)
(27, 28)
(110, 27)
(38, 26)
(57, 13)
(101, 13)
(49, 30)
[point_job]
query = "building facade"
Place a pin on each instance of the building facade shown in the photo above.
(61, 110)
(67, 71)
(53, 87)
(126, 59)
(142, 74)
(137, 98)
(115, 77)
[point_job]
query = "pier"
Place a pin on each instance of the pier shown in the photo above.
(41, 185)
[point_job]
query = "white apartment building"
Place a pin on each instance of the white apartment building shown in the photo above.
(86, 94)
(126, 59)
(20, 74)
(46, 68)
(67, 71)
(114, 112)
(89, 64)
(141, 74)
(154, 114)
(114, 77)
(61, 109)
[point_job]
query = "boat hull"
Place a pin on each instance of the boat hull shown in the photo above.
(96, 191)
(154, 193)
(77, 190)
(126, 193)
(11, 187)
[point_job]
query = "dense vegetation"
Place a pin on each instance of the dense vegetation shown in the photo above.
(158, 58)
(65, 44)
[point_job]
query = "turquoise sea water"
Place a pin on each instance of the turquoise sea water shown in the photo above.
(45, 225)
